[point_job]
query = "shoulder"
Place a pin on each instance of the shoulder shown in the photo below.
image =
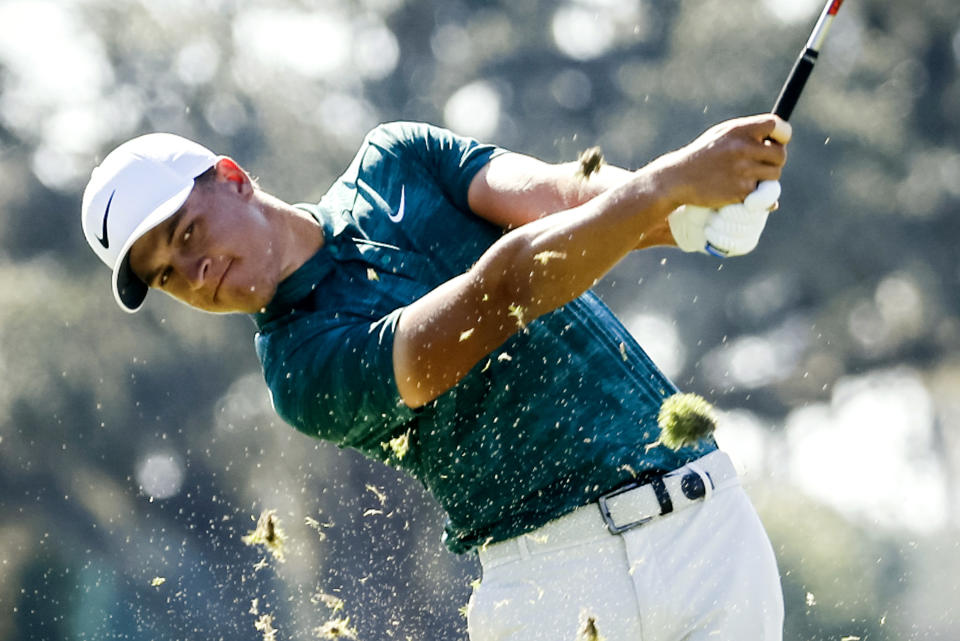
(397, 132)
(417, 136)
(399, 139)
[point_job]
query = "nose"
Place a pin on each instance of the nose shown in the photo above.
(196, 270)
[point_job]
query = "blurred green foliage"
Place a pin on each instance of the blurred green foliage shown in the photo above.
(858, 272)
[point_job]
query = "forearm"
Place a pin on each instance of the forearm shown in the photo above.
(552, 260)
(604, 179)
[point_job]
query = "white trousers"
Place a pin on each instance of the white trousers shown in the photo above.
(705, 573)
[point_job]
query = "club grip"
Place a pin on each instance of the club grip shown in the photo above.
(790, 93)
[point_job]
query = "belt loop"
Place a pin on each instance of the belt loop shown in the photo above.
(663, 496)
(522, 547)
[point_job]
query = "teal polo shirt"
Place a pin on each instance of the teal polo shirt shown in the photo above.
(561, 413)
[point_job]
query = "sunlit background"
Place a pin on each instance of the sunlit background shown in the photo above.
(135, 452)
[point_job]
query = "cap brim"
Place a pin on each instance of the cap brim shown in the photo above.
(128, 290)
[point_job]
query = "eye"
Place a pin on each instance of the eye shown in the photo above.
(164, 276)
(188, 232)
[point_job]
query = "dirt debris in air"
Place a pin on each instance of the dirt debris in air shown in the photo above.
(336, 628)
(545, 257)
(628, 468)
(268, 534)
(377, 492)
(398, 446)
(265, 625)
(519, 313)
(587, 628)
(318, 526)
(334, 603)
(590, 161)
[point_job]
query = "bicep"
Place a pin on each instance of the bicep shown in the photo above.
(514, 189)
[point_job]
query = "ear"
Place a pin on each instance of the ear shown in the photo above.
(228, 171)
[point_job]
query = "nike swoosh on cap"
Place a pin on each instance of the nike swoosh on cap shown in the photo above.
(105, 241)
(397, 217)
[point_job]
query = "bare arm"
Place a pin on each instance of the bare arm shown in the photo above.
(514, 189)
(547, 261)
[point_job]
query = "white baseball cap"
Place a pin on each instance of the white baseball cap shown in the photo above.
(138, 185)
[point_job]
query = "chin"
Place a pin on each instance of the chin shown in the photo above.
(249, 303)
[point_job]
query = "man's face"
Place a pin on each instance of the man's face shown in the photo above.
(215, 253)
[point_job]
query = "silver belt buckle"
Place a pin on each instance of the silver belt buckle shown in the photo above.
(659, 489)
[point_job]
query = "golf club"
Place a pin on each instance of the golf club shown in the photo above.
(793, 87)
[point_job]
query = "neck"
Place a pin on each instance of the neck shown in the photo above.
(300, 235)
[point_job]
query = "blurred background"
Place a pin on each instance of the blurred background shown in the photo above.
(136, 451)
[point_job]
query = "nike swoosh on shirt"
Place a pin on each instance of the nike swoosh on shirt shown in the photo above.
(105, 241)
(397, 217)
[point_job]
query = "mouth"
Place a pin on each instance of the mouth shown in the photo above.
(223, 276)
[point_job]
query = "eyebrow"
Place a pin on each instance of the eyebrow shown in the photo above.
(172, 224)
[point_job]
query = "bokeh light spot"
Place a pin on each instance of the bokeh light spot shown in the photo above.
(160, 475)
(582, 34)
(660, 340)
(474, 109)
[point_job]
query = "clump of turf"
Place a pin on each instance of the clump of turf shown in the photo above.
(588, 628)
(398, 446)
(336, 628)
(685, 419)
(268, 534)
(265, 625)
(590, 162)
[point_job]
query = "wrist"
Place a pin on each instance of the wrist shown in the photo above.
(668, 186)
(660, 236)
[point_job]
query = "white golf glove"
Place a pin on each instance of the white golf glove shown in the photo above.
(688, 226)
(733, 230)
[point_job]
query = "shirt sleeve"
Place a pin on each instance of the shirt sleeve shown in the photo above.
(452, 160)
(337, 383)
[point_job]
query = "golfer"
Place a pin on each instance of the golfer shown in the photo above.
(433, 312)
